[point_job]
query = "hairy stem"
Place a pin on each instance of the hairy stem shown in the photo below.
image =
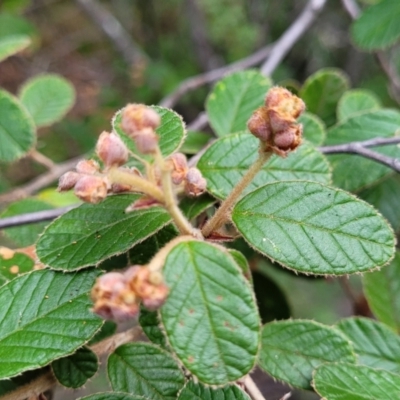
(220, 217)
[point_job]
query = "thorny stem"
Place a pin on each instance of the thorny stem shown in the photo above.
(252, 388)
(222, 213)
(47, 380)
(170, 203)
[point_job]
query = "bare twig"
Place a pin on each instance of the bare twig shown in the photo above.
(252, 388)
(292, 35)
(113, 29)
(47, 380)
(41, 159)
(286, 396)
(199, 123)
(352, 8)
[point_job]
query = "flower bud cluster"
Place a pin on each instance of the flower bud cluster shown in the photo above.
(140, 123)
(118, 295)
(275, 123)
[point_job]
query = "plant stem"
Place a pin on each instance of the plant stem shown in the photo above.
(252, 388)
(222, 213)
(136, 182)
(170, 203)
(42, 159)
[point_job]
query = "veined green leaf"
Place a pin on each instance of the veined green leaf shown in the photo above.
(210, 316)
(91, 233)
(150, 323)
(356, 101)
(229, 158)
(314, 229)
(13, 44)
(382, 289)
(197, 391)
(313, 128)
(193, 207)
(343, 381)
(375, 344)
(378, 26)
(113, 396)
(291, 350)
(45, 315)
(10, 268)
(48, 98)
(73, 371)
(233, 100)
(17, 131)
(145, 370)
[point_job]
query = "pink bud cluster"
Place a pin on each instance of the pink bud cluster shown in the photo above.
(275, 123)
(118, 295)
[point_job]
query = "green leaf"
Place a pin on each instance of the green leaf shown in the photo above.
(314, 229)
(11, 24)
(291, 350)
(378, 26)
(382, 289)
(233, 100)
(112, 396)
(313, 128)
(10, 268)
(272, 302)
(13, 44)
(195, 141)
(45, 315)
(150, 323)
(17, 130)
(145, 370)
(197, 391)
(241, 261)
(171, 131)
(193, 207)
(356, 101)
(48, 98)
(25, 235)
(229, 158)
(355, 382)
(210, 316)
(92, 233)
(349, 171)
(108, 329)
(322, 91)
(384, 196)
(376, 345)
(73, 371)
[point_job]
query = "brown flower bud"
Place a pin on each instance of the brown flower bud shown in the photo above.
(289, 139)
(195, 184)
(284, 102)
(146, 141)
(68, 181)
(91, 189)
(88, 167)
(259, 125)
(279, 122)
(111, 149)
(136, 117)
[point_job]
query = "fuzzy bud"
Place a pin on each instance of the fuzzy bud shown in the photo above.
(285, 102)
(179, 167)
(68, 181)
(136, 117)
(87, 167)
(111, 149)
(259, 125)
(91, 189)
(146, 141)
(195, 184)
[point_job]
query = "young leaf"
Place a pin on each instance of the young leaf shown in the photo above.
(344, 381)
(229, 158)
(150, 323)
(291, 350)
(45, 315)
(233, 100)
(25, 235)
(17, 131)
(356, 101)
(145, 370)
(376, 345)
(171, 131)
(378, 26)
(314, 229)
(13, 44)
(91, 233)
(382, 289)
(14, 266)
(313, 128)
(349, 171)
(322, 91)
(195, 141)
(385, 196)
(194, 207)
(48, 98)
(112, 396)
(210, 316)
(241, 261)
(73, 371)
(197, 391)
